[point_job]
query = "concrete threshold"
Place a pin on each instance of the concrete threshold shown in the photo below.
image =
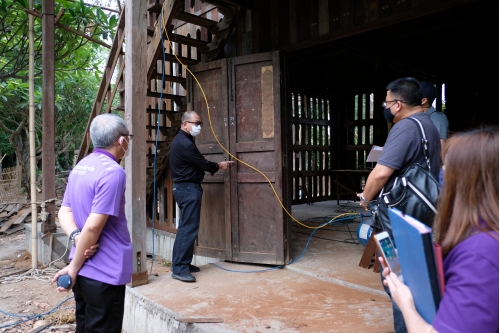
(284, 300)
(145, 315)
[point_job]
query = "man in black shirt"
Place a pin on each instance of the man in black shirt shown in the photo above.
(188, 167)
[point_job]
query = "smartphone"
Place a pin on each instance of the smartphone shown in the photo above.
(388, 251)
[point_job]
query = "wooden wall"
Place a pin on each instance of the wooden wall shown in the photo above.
(297, 24)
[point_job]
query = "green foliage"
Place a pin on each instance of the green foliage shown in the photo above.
(73, 52)
(77, 74)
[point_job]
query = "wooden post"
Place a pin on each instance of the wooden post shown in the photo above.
(48, 105)
(135, 111)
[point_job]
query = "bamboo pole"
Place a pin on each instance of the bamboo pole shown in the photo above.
(34, 227)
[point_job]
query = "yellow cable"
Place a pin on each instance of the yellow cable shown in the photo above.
(234, 157)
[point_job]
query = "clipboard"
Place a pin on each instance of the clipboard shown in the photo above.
(374, 154)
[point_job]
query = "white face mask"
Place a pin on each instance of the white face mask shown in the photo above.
(126, 151)
(195, 130)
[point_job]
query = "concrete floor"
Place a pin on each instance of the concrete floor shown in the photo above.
(325, 291)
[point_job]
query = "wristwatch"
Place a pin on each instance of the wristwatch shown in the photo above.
(362, 198)
(73, 234)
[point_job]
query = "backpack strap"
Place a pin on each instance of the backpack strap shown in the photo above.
(424, 141)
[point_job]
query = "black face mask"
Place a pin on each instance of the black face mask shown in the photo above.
(389, 116)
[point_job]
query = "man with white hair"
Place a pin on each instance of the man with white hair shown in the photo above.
(93, 210)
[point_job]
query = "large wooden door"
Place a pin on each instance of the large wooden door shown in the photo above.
(255, 137)
(242, 220)
(214, 238)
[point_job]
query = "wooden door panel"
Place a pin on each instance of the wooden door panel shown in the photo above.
(212, 235)
(255, 137)
(214, 238)
(255, 236)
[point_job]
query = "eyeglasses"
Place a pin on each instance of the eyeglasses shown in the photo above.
(197, 123)
(129, 136)
(384, 103)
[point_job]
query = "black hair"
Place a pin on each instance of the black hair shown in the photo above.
(406, 89)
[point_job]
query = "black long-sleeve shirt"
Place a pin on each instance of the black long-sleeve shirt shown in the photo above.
(186, 162)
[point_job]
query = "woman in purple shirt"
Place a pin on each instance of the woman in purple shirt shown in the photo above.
(466, 227)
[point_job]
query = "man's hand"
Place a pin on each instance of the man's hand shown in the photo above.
(88, 252)
(224, 165)
(66, 270)
(361, 202)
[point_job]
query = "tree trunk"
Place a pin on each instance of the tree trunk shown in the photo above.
(21, 146)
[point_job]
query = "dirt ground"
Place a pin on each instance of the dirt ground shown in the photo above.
(26, 295)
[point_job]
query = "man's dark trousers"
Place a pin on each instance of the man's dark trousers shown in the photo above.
(99, 306)
(188, 197)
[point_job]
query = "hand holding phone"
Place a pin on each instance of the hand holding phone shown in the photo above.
(386, 247)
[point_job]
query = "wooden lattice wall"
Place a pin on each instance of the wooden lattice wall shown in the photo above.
(311, 125)
(10, 183)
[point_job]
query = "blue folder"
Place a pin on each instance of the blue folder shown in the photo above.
(415, 246)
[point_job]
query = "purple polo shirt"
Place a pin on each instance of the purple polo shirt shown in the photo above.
(470, 301)
(97, 185)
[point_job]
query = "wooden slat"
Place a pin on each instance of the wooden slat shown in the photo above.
(15, 229)
(200, 320)
(20, 216)
(170, 9)
(115, 88)
(154, 7)
(167, 112)
(155, 94)
(200, 44)
(197, 20)
(170, 78)
(178, 59)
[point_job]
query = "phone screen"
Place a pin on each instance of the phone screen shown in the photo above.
(391, 256)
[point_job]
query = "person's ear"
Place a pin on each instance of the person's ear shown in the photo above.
(424, 101)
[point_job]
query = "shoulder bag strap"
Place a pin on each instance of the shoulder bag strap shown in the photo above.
(424, 141)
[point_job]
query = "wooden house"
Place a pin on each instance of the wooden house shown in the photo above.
(293, 89)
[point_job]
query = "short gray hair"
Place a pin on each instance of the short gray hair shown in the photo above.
(188, 115)
(105, 129)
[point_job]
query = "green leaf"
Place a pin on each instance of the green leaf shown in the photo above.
(113, 21)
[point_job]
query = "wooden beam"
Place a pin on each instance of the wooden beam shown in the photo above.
(65, 27)
(135, 163)
(190, 320)
(196, 20)
(48, 114)
(437, 6)
(170, 9)
(170, 78)
(115, 88)
(114, 54)
(167, 112)
(176, 98)
(178, 59)
(176, 38)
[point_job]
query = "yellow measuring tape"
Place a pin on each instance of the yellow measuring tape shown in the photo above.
(237, 159)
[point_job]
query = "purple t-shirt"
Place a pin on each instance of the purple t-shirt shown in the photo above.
(470, 301)
(97, 185)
